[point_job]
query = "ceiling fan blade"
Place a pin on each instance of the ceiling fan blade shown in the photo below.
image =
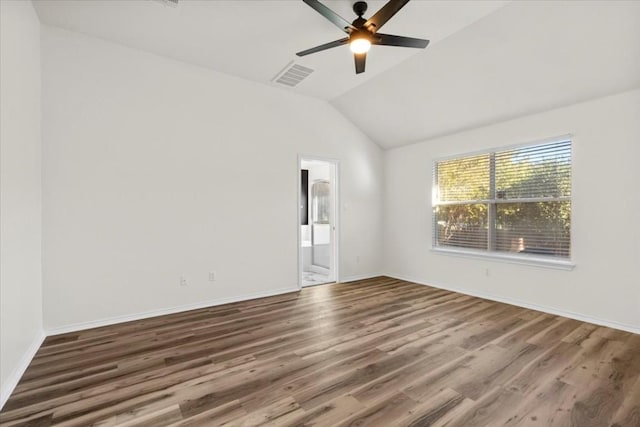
(335, 19)
(391, 40)
(325, 46)
(361, 59)
(384, 14)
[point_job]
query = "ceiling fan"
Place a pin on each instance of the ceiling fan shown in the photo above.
(362, 33)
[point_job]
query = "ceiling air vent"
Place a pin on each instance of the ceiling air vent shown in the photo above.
(292, 74)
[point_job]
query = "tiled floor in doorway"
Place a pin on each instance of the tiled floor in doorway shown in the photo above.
(310, 278)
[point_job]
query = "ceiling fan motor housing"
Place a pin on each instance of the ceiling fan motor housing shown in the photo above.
(359, 23)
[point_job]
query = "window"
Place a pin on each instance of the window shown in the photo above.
(515, 201)
(320, 201)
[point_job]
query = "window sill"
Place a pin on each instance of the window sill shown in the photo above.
(512, 259)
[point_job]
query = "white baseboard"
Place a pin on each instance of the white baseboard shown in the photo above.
(360, 277)
(10, 384)
(161, 312)
(546, 309)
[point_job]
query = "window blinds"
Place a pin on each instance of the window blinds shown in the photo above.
(516, 200)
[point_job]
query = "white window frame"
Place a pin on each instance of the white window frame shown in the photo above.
(525, 259)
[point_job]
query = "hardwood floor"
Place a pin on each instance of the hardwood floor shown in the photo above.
(378, 352)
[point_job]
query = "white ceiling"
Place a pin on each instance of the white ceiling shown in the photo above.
(256, 39)
(488, 61)
(525, 58)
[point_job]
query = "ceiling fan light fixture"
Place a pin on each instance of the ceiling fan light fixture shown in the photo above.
(360, 45)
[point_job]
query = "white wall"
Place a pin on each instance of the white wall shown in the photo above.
(20, 192)
(606, 206)
(150, 169)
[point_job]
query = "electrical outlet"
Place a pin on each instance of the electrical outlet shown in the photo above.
(183, 280)
(212, 276)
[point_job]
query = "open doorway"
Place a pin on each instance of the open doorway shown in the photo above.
(317, 214)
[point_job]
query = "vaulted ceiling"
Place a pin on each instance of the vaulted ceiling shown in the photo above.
(487, 61)
(524, 58)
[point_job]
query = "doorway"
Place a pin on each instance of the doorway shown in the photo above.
(317, 221)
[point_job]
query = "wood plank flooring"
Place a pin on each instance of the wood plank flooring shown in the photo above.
(379, 352)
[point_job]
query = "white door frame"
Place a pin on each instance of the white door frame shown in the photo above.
(335, 217)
